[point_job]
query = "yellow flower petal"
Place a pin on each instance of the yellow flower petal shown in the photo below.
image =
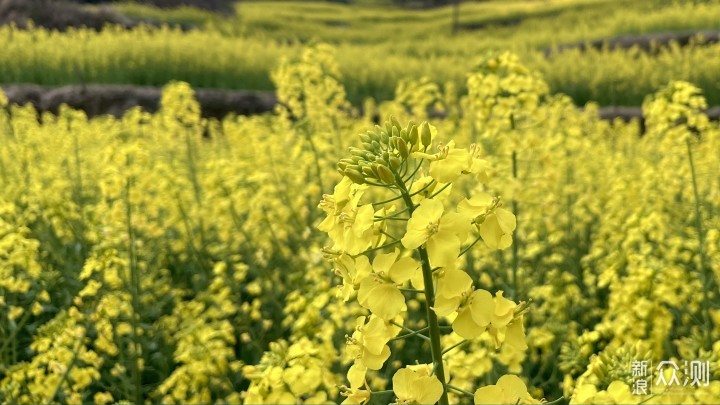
(514, 389)
(482, 308)
(383, 300)
(428, 212)
(489, 395)
(443, 249)
(465, 326)
(403, 269)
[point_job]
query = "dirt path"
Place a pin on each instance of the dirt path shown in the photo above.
(98, 99)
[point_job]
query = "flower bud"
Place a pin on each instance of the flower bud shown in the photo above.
(367, 171)
(403, 148)
(375, 145)
(413, 135)
(357, 152)
(355, 176)
(367, 146)
(393, 143)
(425, 135)
(395, 122)
(388, 127)
(385, 174)
(365, 138)
(395, 132)
(395, 163)
(384, 138)
(404, 135)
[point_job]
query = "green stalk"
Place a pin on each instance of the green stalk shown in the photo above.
(433, 324)
(135, 292)
(706, 277)
(69, 368)
(515, 257)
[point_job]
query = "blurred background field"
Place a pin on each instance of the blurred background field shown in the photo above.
(379, 43)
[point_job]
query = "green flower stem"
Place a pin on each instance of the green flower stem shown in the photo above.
(304, 126)
(135, 294)
(563, 397)
(462, 252)
(376, 204)
(382, 392)
(515, 254)
(390, 218)
(441, 190)
(69, 368)
(405, 328)
(394, 214)
(433, 324)
(460, 390)
(707, 279)
(458, 344)
(393, 243)
(417, 333)
(394, 239)
(411, 290)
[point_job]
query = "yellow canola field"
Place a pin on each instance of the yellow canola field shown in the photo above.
(166, 258)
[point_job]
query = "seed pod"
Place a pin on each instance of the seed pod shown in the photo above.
(385, 174)
(426, 136)
(355, 176)
(403, 148)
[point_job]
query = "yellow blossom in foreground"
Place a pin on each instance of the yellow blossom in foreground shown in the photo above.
(412, 387)
(353, 271)
(379, 292)
(356, 394)
(495, 223)
(442, 234)
(368, 344)
(510, 389)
